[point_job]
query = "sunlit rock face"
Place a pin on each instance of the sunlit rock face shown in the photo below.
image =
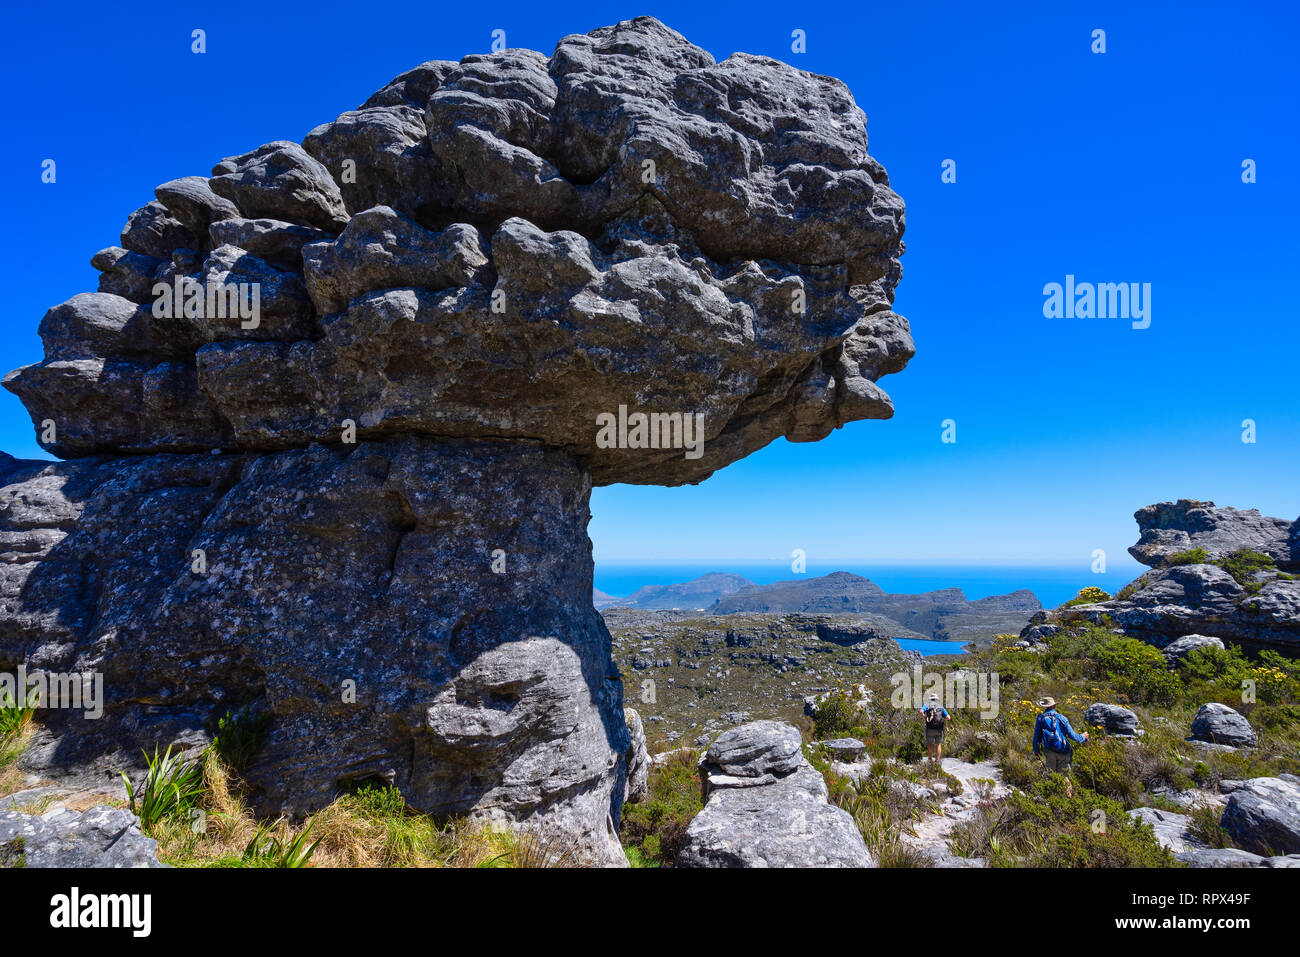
(372, 378)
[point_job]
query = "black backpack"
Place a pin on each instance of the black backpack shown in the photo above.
(934, 718)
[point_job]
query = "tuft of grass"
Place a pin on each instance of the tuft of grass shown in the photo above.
(15, 718)
(270, 850)
(171, 788)
(1204, 825)
(1190, 556)
(13, 853)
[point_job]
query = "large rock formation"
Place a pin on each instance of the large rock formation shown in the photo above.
(1168, 528)
(1188, 600)
(344, 480)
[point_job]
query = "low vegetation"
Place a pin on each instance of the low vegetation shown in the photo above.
(654, 830)
(1040, 825)
(200, 812)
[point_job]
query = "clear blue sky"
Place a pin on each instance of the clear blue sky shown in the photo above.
(1122, 167)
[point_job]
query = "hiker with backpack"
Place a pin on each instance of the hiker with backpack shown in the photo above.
(1052, 736)
(935, 716)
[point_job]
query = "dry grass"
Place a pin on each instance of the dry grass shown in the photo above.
(370, 829)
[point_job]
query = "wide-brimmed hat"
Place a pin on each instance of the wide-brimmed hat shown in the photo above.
(933, 696)
(1047, 702)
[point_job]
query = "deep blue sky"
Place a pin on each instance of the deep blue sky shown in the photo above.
(1117, 167)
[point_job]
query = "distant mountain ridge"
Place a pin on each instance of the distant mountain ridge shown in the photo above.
(945, 614)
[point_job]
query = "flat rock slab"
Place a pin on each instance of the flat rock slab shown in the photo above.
(103, 836)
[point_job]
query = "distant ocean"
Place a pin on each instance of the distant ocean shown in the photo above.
(1051, 585)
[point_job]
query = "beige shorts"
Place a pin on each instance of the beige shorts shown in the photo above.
(1057, 760)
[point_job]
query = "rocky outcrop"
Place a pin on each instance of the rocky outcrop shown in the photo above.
(343, 480)
(103, 836)
(1216, 598)
(1168, 528)
(511, 247)
(765, 806)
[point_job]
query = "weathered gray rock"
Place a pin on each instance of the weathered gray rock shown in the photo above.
(759, 751)
(1219, 724)
(103, 836)
(1185, 606)
(348, 592)
(1263, 815)
(1171, 527)
(1113, 718)
(529, 243)
(1220, 857)
(1180, 648)
(637, 759)
(771, 811)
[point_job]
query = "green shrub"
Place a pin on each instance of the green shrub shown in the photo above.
(1191, 556)
(1044, 826)
(239, 736)
(1139, 671)
(1242, 566)
(1225, 666)
(656, 825)
(1107, 768)
(835, 715)
(1204, 825)
(1088, 596)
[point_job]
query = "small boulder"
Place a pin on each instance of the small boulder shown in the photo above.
(756, 750)
(1113, 719)
(846, 750)
(1219, 724)
(766, 806)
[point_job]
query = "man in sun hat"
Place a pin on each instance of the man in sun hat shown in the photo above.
(1052, 736)
(935, 716)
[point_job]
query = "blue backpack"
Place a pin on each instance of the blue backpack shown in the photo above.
(1052, 736)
